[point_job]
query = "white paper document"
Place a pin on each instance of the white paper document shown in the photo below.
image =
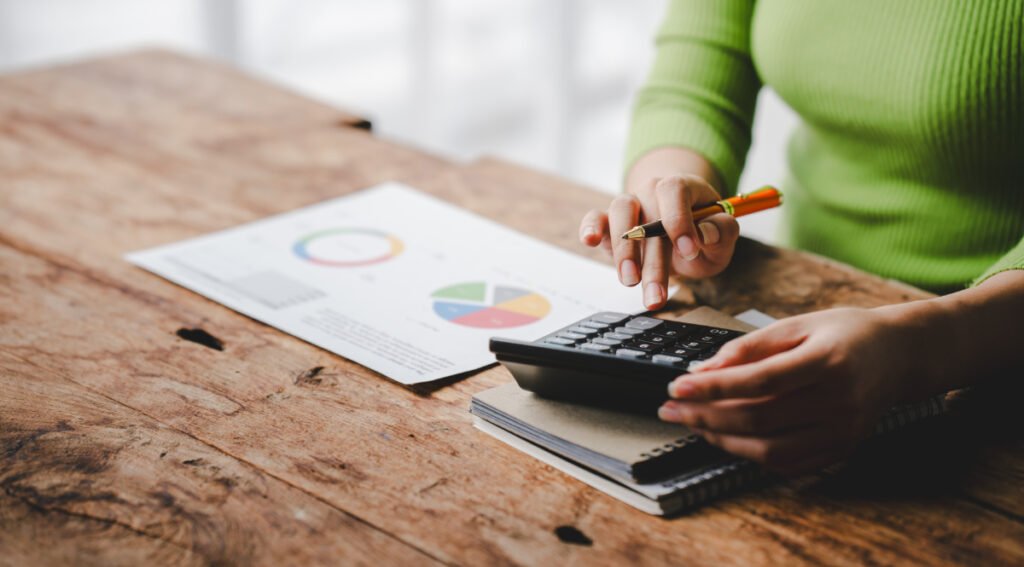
(394, 279)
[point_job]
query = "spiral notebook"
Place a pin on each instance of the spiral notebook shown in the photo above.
(682, 491)
(655, 466)
(627, 446)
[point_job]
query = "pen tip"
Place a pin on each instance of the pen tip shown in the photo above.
(635, 232)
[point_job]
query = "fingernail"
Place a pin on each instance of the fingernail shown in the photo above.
(698, 365)
(628, 273)
(589, 232)
(681, 389)
(709, 232)
(668, 413)
(653, 295)
(687, 248)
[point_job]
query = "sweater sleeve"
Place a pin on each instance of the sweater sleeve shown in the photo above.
(703, 87)
(1012, 260)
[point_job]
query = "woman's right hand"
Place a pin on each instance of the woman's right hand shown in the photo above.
(653, 191)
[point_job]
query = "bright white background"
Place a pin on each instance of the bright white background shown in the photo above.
(544, 83)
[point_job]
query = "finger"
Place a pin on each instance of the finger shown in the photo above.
(606, 243)
(623, 214)
(656, 253)
(593, 228)
(718, 235)
(781, 452)
(774, 375)
(655, 272)
(676, 197)
(766, 416)
(757, 345)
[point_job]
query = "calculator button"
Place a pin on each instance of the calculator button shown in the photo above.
(595, 347)
(629, 331)
(644, 323)
(560, 341)
(723, 335)
(600, 326)
(670, 332)
(712, 338)
(571, 335)
(667, 359)
(618, 336)
(645, 346)
(694, 345)
(630, 353)
(583, 330)
(609, 317)
(658, 340)
(604, 341)
(682, 352)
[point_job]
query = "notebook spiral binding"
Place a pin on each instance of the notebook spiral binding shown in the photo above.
(904, 415)
(719, 481)
(668, 448)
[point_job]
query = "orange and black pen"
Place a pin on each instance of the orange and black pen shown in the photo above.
(764, 198)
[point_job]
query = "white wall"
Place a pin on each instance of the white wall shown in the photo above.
(545, 83)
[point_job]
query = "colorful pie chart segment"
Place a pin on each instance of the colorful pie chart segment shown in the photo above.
(478, 304)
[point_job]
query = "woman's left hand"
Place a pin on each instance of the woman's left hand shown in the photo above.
(800, 393)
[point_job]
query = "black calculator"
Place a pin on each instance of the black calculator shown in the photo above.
(610, 359)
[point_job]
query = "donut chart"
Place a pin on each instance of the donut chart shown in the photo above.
(486, 306)
(347, 247)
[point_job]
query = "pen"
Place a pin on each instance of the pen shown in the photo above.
(766, 197)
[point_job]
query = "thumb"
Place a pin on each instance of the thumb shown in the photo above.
(718, 235)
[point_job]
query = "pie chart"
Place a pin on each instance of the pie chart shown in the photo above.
(347, 247)
(486, 306)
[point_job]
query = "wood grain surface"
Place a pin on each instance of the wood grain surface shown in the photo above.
(121, 442)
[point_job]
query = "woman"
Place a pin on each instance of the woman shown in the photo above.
(909, 163)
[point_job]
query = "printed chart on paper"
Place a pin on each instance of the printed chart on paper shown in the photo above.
(394, 279)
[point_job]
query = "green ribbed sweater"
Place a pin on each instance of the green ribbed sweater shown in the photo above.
(909, 159)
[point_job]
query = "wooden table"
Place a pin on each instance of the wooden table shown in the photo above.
(122, 443)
